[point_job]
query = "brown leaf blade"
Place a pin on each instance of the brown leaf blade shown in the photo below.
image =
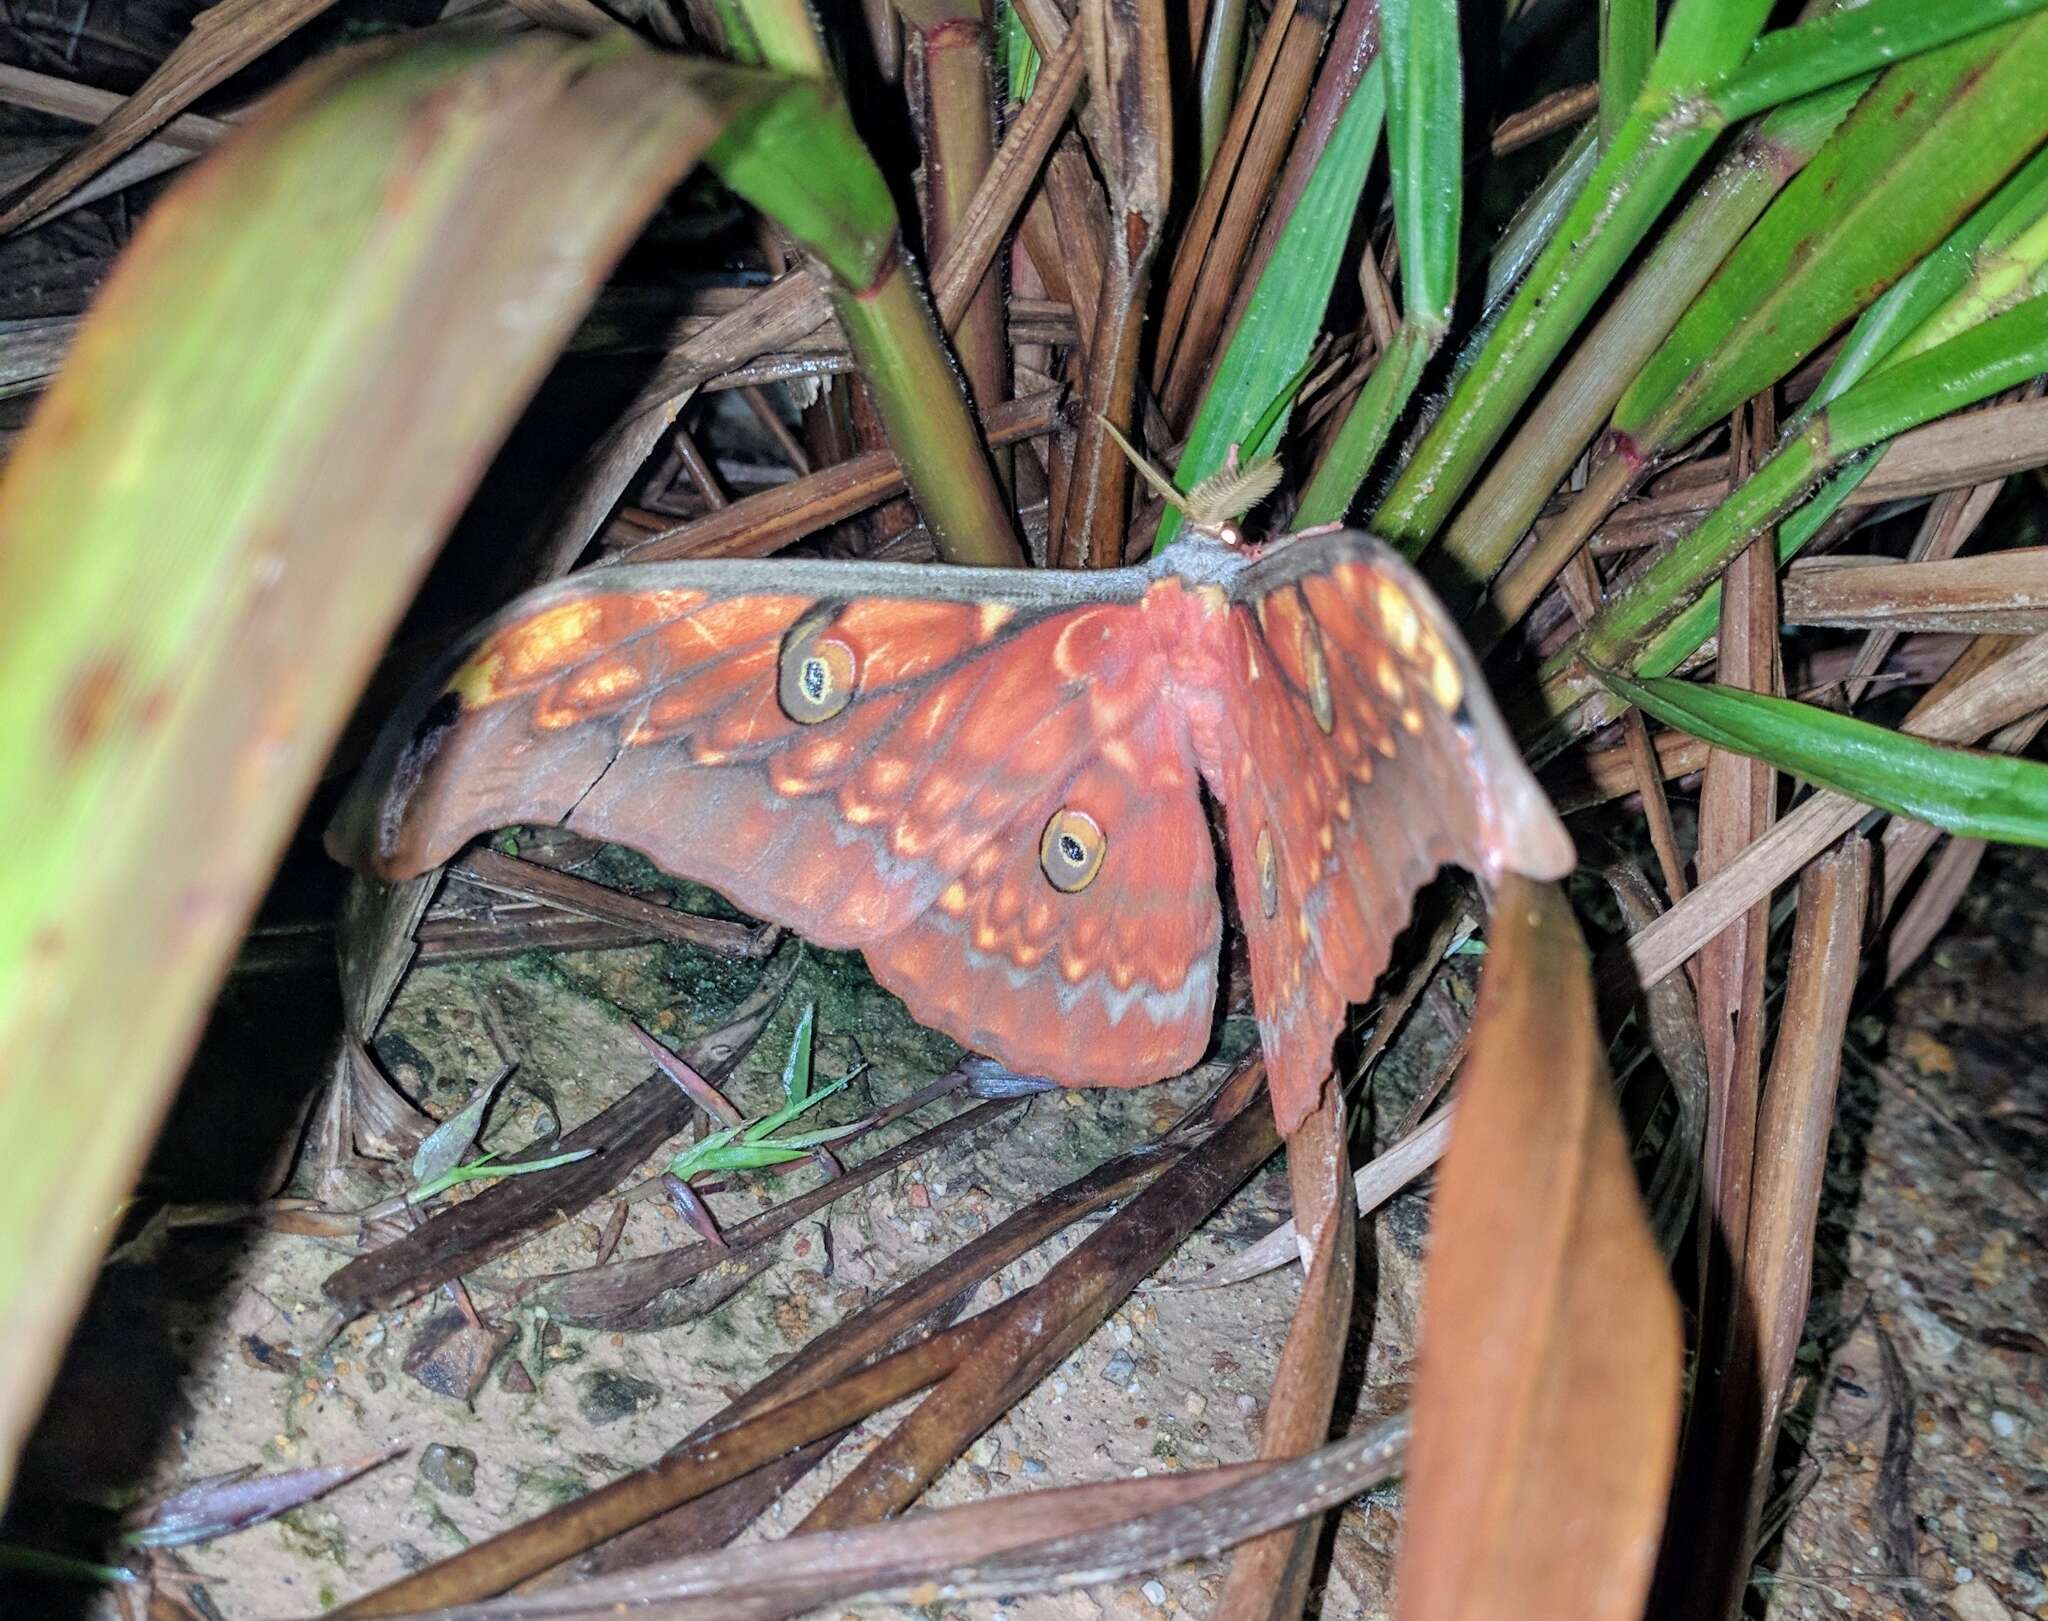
(1546, 1414)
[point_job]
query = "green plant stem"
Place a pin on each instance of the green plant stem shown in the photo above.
(1998, 354)
(1533, 225)
(1933, 138)
(774, 33)
(1525, 475)
(1364, 433)
(1216, 76)
(896, 345)
(1673, 124)
(960, 146)
(1628, 44)
(805, 166)
(1652, 153)
(1643, 162)
(1916, 297)
(1852, 40)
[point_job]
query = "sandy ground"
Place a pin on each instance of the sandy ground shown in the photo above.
(1931, 1245)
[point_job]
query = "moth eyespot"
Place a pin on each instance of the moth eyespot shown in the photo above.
(1269, 873)
(817, 676)
(1071, 851)
(1317, 669)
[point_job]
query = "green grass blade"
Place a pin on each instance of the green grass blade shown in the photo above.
(279, 402)
(803, 164)
(1704, 41)
(483, 1170)
(1640, 170)
(770, 1123)
(1020, 57)
(444, 1146)
(800, 161)
(796, 1072)
(1425, 141)
(1919, 294)
(1425, 133)
(1280, 323)
(1638, 175)
(1364, 432)
(1628, 44)
(1534, 224)
(1932, 139)
(1971, 794)
(2008, 349)
(702, 1155)
(2012, 273)
(778, 34)
(1882, 339)
(1853, 40)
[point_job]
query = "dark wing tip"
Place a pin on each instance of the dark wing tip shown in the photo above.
(368, 831)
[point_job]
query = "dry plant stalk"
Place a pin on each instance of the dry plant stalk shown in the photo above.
(1125, 41)
(1735, 1434)
(1269, 1576)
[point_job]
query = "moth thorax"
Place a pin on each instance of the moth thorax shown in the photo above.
(816, 673)
(1071, 850)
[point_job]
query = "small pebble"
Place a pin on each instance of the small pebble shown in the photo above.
(1196, 1404)
(2004, 1423)
(449, 1469)
(605, 1397)
(1155, 1591)
(1247, 1403)
(1119, 1368)
(1973, 1600)
(1059, 1387)
(1034, 1466)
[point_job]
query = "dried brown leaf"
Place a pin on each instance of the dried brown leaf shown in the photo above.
(1547, 1401)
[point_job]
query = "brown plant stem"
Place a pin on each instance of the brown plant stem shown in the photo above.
(1269, 1575)
(950, 75)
